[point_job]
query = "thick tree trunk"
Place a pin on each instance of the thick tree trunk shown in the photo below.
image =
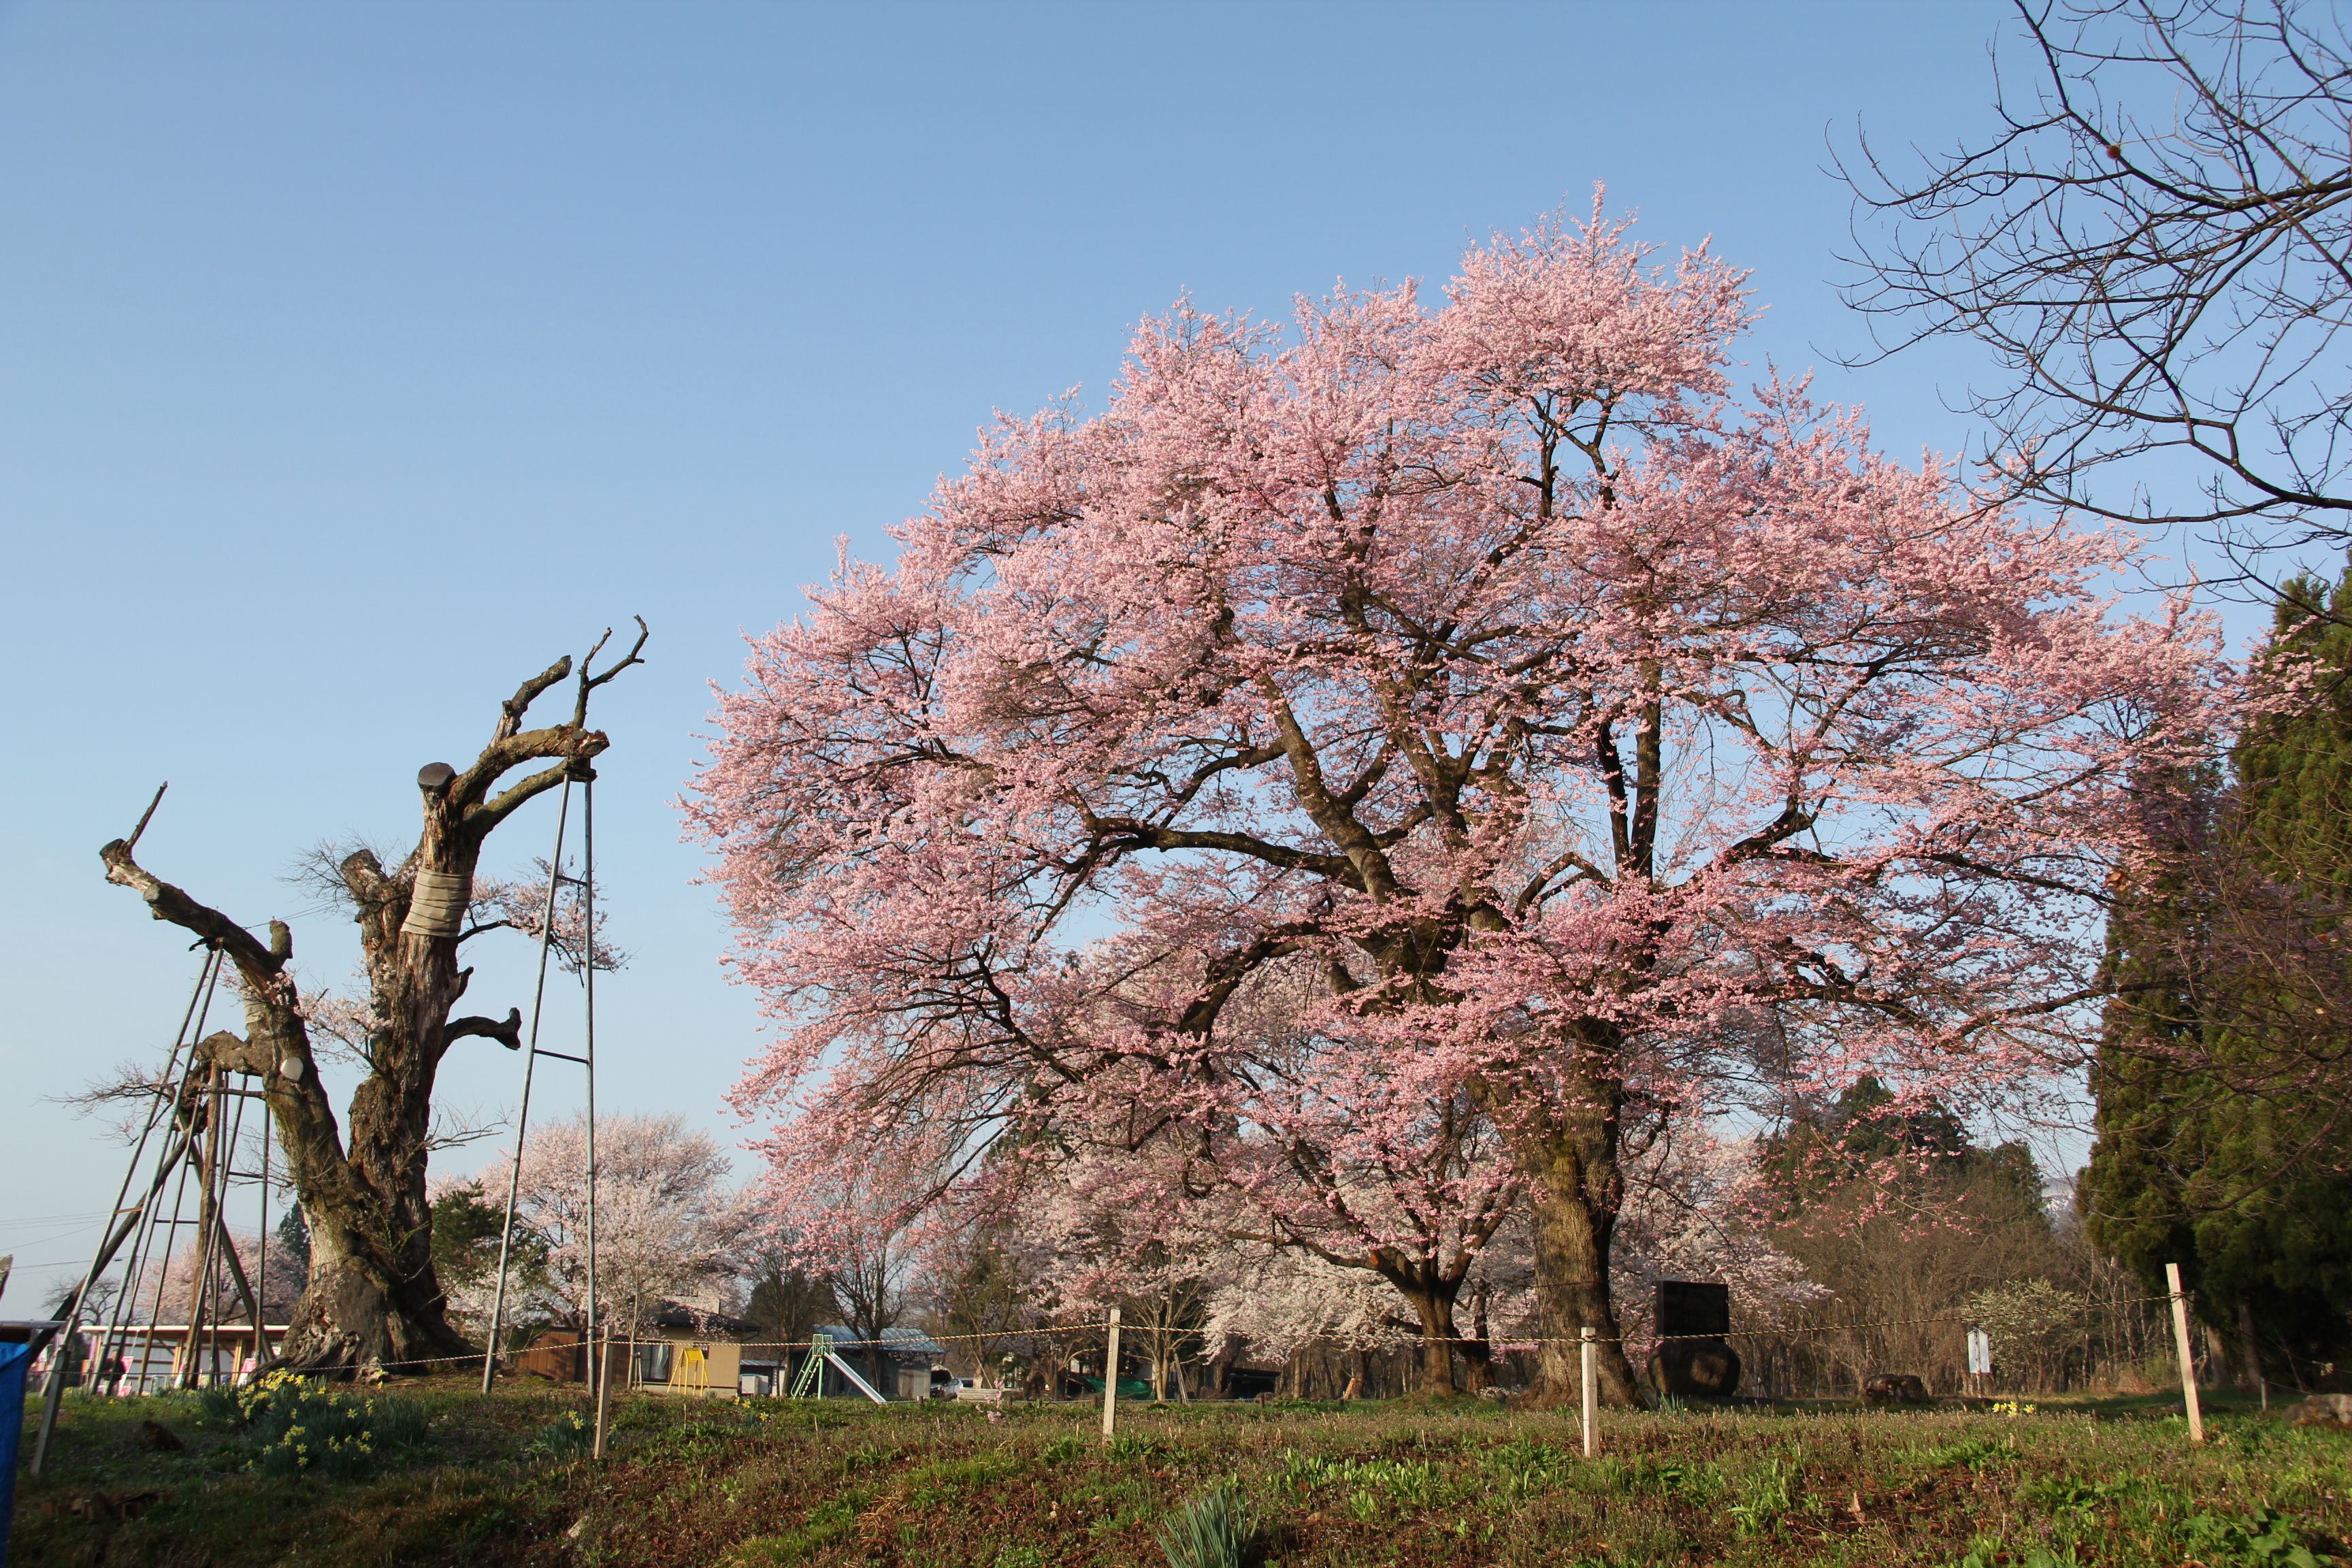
(1572, 1247)
(366, 1304)
(371, 1299)
(1433, 1302)
(1575, 1188)
(371, 1296)
(1479, 1353)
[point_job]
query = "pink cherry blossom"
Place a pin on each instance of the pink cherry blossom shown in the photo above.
(1468, 710)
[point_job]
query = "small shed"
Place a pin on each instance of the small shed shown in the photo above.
(142, 1358)
(696, 1355)
(559, 1355)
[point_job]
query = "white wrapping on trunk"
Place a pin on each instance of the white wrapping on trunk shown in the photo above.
(436, 907)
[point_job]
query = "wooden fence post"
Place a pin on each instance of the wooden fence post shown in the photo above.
(2180, 1349)
(1588, 1376)
(1110, 1378)
(604, 1370)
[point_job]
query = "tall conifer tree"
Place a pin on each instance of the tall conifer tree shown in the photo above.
(2224, 1144)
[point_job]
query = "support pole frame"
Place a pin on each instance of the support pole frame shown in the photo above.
(530, 1061)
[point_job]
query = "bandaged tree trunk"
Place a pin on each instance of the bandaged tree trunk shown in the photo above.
(371, 1299)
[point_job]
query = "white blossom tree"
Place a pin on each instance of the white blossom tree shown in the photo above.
(668, 1227)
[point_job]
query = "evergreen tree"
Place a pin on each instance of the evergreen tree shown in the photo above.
(788, 1303)
(467, 1224)
(294, 1235)
(2222, 1143)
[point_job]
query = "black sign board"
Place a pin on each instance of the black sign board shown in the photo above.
(1688, 1307)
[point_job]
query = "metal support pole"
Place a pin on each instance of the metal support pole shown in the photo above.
(261, 1255)
(1588, 1371)
(588, 980)
(2180, 1349)
(171, 1247)
(529, 1060)
(1110, 1379)
(159, 1114)
(200, 1286)
(111, 1238)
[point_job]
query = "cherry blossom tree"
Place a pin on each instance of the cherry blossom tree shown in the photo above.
(1279, 1301)
(1488, 657)
(1320, 1143)
(860, 1228)
(668, 1227)
(1095, 1246)
(172, 1299)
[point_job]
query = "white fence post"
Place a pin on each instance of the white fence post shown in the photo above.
(1589, 1357)
(1110, 1378)
(2180, 1348)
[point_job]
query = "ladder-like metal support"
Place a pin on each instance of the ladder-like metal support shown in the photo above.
(587, 883)
(813, 1367)
(201, 1119)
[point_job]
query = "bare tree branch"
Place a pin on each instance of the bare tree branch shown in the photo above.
(589, 683)
(2155, 243)
(167, 902)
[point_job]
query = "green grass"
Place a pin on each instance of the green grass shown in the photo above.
(776, 1483)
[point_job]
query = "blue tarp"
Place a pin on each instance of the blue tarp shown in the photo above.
(15, 1361)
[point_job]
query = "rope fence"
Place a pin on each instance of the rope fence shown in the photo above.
(915, 1340)
(779, 1354)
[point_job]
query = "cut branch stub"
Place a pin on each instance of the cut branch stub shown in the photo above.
(235, 1053)
(506, 1031)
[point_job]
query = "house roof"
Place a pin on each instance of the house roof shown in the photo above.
(897, 1342)
(670, 1315)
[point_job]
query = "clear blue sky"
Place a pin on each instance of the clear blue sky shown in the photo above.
(357, 360)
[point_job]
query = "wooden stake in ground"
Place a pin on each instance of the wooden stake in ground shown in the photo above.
(2180, 1349)
(603, 1387)
(1110, 1378)
(1589, 1376)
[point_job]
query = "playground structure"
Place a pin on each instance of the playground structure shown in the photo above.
(821, 1355)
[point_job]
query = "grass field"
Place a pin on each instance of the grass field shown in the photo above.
(446, 1477)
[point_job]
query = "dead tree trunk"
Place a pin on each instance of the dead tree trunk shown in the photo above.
(371, 1298)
